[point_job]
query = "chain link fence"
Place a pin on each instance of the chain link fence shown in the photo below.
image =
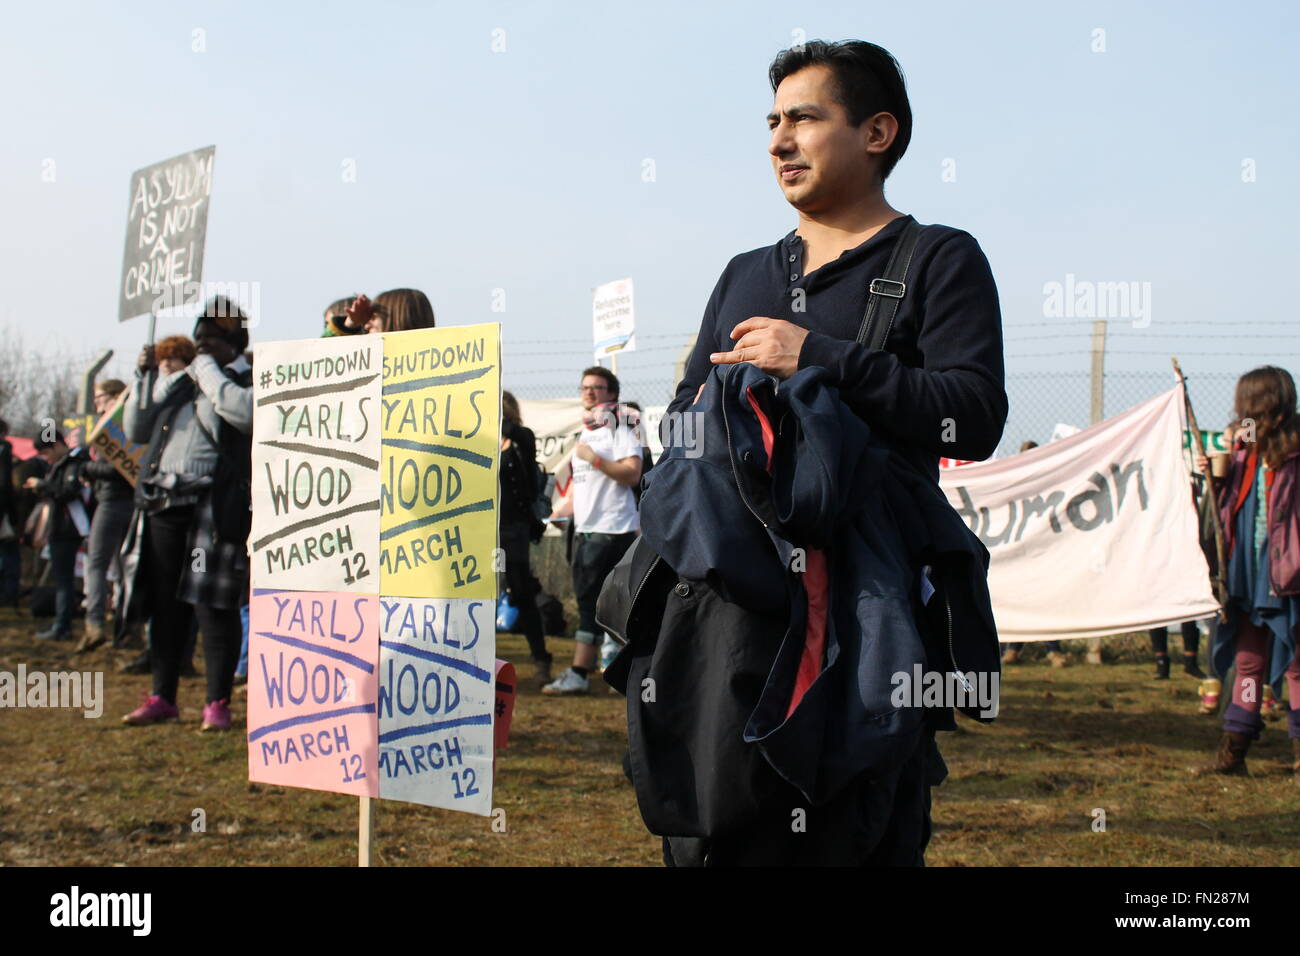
(1038, 400)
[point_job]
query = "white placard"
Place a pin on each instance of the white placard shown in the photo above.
(437, 693)
(613, 323)
(316, 446)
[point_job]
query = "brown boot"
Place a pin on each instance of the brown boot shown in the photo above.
(542, 673)
(1230, 760)
(93, 637)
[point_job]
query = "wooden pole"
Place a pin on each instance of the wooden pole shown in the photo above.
(1220, 545)
(1097, 410)
(365, 827)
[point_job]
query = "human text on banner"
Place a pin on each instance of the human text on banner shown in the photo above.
(613, 322)
(109, 440)
(316, 446)
(437, 692)
(312, 690)
(1093, 534)
(166, 226)
(438, 468)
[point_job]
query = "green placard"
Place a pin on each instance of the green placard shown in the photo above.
(1213, 442)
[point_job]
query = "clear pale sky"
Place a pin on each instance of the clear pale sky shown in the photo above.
(523, 170)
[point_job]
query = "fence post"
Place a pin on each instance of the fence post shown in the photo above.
(1096, 412)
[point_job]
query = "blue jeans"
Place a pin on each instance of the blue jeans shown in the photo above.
(594, 556)
(63, 565)
(107, 529)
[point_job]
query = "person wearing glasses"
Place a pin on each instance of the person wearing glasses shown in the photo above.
(606, 466)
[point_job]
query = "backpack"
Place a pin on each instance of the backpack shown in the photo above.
(1284, 530)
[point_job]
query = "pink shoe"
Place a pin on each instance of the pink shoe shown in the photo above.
(216, 716)
(154, 710)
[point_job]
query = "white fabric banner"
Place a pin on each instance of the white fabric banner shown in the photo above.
(1094, 534)
(557, 423)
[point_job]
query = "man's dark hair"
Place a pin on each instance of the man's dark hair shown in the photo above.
(41, 443)
(868, 80)
(611, 380)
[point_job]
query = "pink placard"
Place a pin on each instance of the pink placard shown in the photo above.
(312, 690)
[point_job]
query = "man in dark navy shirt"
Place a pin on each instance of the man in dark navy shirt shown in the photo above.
(840, 122)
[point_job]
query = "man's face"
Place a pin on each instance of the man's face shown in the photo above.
(209, 341)
(54, 453)
(103, 402)
(593, 391)
(820, 161)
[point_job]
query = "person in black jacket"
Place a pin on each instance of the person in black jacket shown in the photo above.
(11, 556)
(69, 519)
(113, 510)
(519, 526)
(840, 122)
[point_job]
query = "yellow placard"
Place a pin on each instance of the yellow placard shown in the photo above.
(438, 467)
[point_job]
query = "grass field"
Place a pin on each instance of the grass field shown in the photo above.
(1021, 792)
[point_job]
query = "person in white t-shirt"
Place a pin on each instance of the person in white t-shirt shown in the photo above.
(606, 466)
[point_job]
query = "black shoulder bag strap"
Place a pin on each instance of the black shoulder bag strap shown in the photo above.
(885, 292)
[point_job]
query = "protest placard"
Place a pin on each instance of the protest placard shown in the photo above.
(613, 323)
(312, 690)
(108, 439)
(377, 454)
(166, 225)
(438, 469)
(316, 445)
(437, 691)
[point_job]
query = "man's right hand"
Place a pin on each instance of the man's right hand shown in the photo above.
(148, 360)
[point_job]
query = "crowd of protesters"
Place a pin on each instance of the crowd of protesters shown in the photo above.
(175, 543)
